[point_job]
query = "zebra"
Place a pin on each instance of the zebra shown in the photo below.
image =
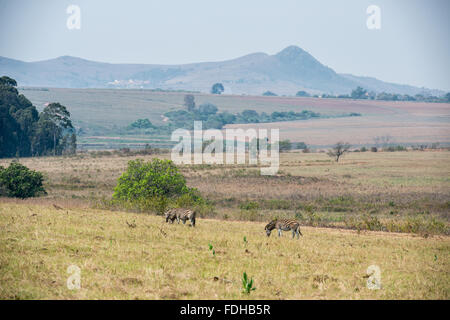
(184, 214)
(285, 225)
(180, 214)
(170, 215)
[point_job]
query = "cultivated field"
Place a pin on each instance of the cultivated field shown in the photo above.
(135, 256)
(103, 113)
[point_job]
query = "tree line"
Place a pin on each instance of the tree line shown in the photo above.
(361, 93)
(24, 131)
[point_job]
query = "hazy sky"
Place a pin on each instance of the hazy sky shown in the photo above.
(412, 46)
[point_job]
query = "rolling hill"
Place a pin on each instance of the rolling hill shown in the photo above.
(284, 73)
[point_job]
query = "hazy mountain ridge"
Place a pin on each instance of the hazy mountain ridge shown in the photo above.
(284, 73)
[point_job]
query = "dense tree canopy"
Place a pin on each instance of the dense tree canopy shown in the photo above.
(25, 132)
(217, 88)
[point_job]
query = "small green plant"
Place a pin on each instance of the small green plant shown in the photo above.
(211, 248)
(247, 284)
(245, 240)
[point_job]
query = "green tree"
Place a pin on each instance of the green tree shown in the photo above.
(207, 109)
(285, 145)
(359, 93)
(73, 143)
(57, 118)
(18, 119)
(141, 124)
(302, 94)
(217, 88)
(189, 102)
(20, 182)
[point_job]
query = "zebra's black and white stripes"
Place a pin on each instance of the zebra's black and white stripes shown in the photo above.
(284, 225)
(181, 215)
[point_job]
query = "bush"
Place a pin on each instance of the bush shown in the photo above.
(150, 185)
(20, 182)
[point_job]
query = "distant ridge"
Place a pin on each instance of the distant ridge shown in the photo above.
(284, 73)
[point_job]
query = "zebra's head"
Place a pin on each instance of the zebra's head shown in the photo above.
(269, 227)
(168, 215)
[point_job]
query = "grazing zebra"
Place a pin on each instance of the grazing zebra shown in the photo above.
(170, 215)
(184, 214)
(180, 214)
(285, 225)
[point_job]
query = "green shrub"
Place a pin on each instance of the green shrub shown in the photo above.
(249, 205)
(20, 182)
(150, 185)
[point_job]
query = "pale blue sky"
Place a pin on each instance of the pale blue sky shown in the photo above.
(412, 46)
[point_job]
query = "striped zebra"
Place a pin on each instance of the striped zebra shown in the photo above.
(284, 225)
(181, 215)
(170, 215)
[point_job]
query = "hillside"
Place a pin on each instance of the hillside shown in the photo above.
(284, 73)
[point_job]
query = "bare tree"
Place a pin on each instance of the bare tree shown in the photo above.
(338, 150)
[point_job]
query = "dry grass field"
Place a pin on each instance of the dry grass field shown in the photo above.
(388, 185)
(137, 256)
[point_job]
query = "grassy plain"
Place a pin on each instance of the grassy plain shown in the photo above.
(408, 186)
(136, 256)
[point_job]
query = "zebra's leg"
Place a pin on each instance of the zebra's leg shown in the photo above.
(293, 233)
(279, 232)
(184, 221)
(193, 222)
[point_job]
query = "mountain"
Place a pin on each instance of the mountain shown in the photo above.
(284, 73)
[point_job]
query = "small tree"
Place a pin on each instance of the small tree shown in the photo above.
(217, 88)
(73, 143)
(141, 124)
(302, 94)
(359, 93)
(285, 145)
(189, 102)
(20, 182)
(269, 94)
(338, 150)
(302, 146)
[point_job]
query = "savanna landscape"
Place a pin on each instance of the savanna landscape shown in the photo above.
(258, 150)
(388, 209)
